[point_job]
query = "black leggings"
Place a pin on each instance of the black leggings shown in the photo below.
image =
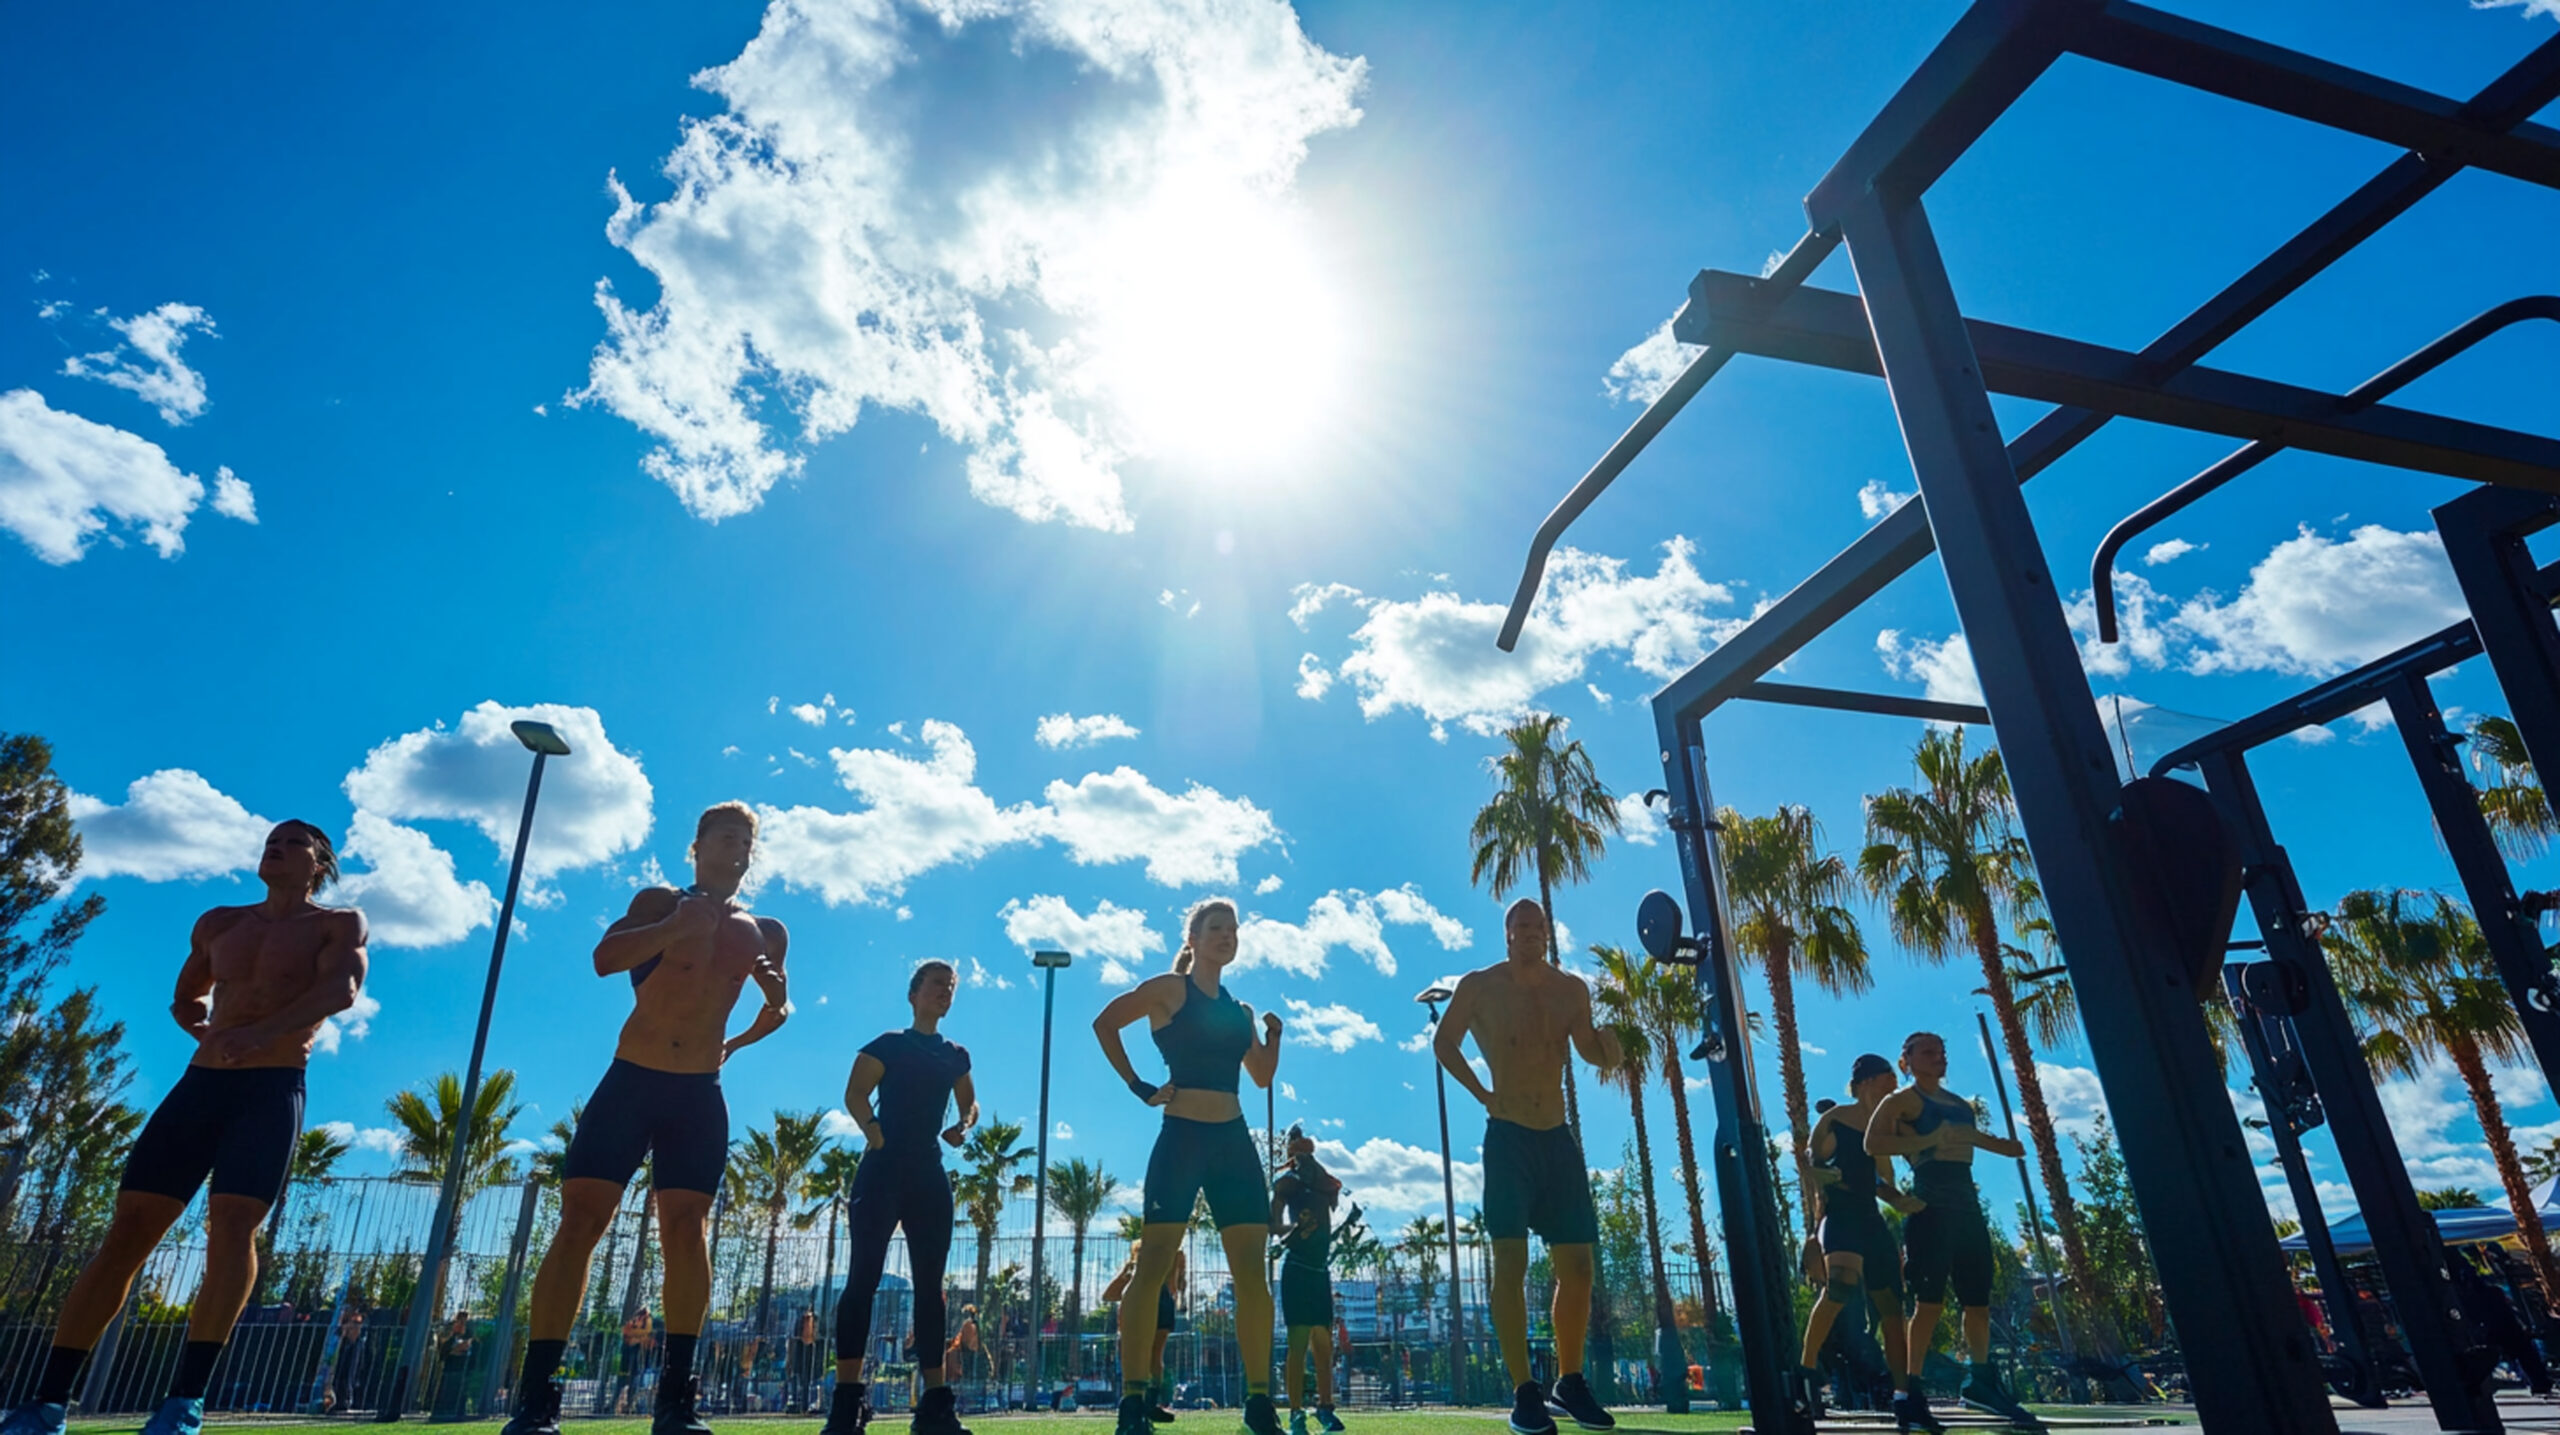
(895, 1189)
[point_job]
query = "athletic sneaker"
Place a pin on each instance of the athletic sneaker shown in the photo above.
(1804, 1392)
(937, 1413)
(39, 1417)
(537, 1410)
(177, 1415)
(1157, 1414)
(1529, 1411)
(1573, 1397)
(1331, 1422)
(849, 1411)
(675, 1408)
(1134, 1419)
(1297, 1421)
(1260, 1415)
(1911, 1412)
(1986, 1392)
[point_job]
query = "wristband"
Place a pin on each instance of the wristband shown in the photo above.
(1145, 1090)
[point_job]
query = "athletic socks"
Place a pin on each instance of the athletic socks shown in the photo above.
(541, 1360)
(679, 1364)
(61, 1371)
(195, 1369)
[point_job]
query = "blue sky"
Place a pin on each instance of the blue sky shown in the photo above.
(1060, 470)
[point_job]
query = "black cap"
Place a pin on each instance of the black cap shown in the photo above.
(1867, 1066)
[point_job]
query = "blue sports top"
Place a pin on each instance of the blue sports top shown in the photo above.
(1933, 1179)
(918, 1070)
(1205, 1043)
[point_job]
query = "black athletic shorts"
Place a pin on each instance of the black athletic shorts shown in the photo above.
(1306, 1294)
(1855, 1228)
(1947, 1244)
(1213, 1156)
(235, 1124)
(677, 1117)
(1535, 1181)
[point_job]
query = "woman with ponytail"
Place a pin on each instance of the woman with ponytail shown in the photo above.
(1206, 1037)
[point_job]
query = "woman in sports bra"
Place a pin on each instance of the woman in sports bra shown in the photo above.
(1948, 1241)
(1206, 1037)
(1859, 1259)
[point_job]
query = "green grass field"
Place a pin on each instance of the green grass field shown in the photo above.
(1193, 1422)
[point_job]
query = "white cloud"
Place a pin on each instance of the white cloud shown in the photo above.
(1118, 934)
(974, 973)
(1390, 1178)
(233, 498)
(1944, 667)
(1013, 257)
(1061, 1131)
(1435, 654)
(1066, 730)
(921, 813)
(159, 377)
(1641, 374)
(2533, 9)
(1314, 678)
(2074, 1096)
(1333, 1026)
(1876, 498)
(810, 713)
(378, 1139)
(2313, 606)
(1267, 885)
(409, 893)
(63, 479)
(1309, 599)
(172, 824)
(2168, 550)
(1121, 816)
(1354, 920)
(355, 1023)
(1638, 823)
(595, 802)
(839, 1125)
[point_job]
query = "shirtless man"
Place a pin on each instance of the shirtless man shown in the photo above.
(689, 955)
(257, 983)
(1524, 1011)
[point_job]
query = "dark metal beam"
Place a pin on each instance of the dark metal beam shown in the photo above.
(2331, 700)
(2185, 52)
(1880, 704)
(1828, 328)
(2484, 540)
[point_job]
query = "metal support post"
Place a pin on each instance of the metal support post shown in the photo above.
(503, 1339)
(1039, 1199)
(2514, 943)
(1457, 1392)
(2405, 1242)
(2035, 1218)
(2484, 535)
(2223, 1277)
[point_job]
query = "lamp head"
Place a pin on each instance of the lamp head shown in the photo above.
(541, 737)
(1051, 959)
(1434, 995)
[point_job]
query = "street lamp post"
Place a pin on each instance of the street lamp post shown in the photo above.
(1048, 963)
(1432, 997)
(545, 744)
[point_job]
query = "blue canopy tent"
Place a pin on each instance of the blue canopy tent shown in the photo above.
(2479, 1223)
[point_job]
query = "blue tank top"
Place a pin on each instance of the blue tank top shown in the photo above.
(1946, 1179)
(1205, 1043)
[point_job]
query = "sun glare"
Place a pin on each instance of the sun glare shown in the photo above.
(1221, 337)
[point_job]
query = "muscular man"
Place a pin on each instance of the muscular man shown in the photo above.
(1524, 1012)
(257, 983)
(689, 955)
(1303, 1196)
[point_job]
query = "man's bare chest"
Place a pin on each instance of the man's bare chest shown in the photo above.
(255, 952)
(718, 960)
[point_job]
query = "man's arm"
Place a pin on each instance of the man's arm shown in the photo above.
(337, 975)
(858, 1086)
(1598, 1045)
(193, 1004)
(768, 976)
(964, 1094)
(658, 916)
(1448, 1042)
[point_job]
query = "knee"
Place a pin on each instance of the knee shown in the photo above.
(1510, 1261)
(1572, 1263)
(231, 1224)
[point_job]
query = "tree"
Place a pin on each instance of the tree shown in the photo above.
(316, 1152)
(1792, 900)
(768, 1171)
(1078, 1190)
(828, 1188)
(1550, 819)
(2450, 1198)
(73, 1122)
(1682, 1016)
(2128, 1281)
(39, 860)
(993, 1152)
(1626, 995)
(1947, 863)
(426, 1132)
(2519, 812)
(549, 1165)
(2417, 974)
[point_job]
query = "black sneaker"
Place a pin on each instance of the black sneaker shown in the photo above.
(537, 1409)
(850, 1410)
(1985, 1392)
(1804, 1392)
(1330, 1421)
(1529, 1411)
(1157, 1395)
(937, 1413)
(675, 1408)
(1260, 1416)
(1911, 1412)
(1133, 1416)
(1573, 1397)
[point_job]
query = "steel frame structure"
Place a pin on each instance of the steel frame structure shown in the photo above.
(2182, 1143)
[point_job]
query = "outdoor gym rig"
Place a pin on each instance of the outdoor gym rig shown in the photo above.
(2143, 878)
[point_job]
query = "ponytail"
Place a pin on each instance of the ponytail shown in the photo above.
(1182, 960)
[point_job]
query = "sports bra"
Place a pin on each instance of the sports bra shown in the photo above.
(1205, 1043)
(1849, 1157)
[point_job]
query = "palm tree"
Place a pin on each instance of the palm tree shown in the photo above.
(1678, 1016)
(769, 1169)
(316, 1152)
(426, 1132)
(1425, 1241)
(2417, 974)
(1625, 998)
(827, 1188)
(1947, 863)
(1792, 900)
(2518, 810)
(1550, 818)
(1078, 1189)
(993, 1151)
(549, 1166)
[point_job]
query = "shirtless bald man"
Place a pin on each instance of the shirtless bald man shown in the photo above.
(690, 954)
(1524, 1011)
(258, 982)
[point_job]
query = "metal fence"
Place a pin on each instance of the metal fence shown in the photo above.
(322, 1334)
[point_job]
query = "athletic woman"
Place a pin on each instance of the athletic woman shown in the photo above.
(1159, 1394)
(916, 1074)
(1859, 1261)
(1206, 1036)
(1948, 1241)
(1302, 1200)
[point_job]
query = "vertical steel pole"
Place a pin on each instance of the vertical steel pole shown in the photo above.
(2183, 1150)
(2484, 541)
(1040, 1194)
(440, 1239)
(503, 1339)
(2035, 1219)
(1449, 1203)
